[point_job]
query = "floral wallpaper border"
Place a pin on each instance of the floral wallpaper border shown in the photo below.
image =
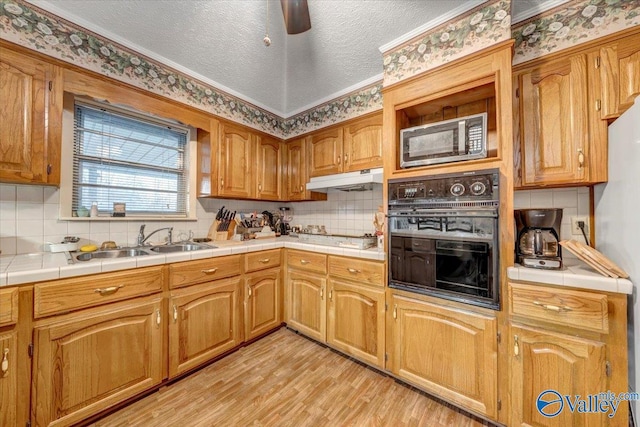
(349, 106)
(477, 29)
(570, 24)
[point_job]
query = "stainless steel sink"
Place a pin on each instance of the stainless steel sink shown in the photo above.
(116, 253)
(180, 247)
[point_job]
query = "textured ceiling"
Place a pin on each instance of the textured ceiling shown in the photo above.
(221, 41)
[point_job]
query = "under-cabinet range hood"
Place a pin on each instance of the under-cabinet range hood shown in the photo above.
(351, 181)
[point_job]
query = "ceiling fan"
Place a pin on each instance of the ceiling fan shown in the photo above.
(296, 16)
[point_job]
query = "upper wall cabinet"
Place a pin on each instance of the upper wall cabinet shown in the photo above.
(236, 176)
(296, 174)
(554, 131)
(352, 147)
(619, 71)
(31, 111)
(269, 162)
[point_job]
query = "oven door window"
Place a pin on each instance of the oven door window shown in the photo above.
(464, 268)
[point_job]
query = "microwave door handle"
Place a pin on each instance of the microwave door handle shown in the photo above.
(462, 137)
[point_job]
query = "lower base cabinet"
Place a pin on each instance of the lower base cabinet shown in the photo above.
(262, 303)
(8, 377)
(562, 364)
(355, 322)
(445, 351)
(308, 306)
(89, 361)
(204, 322)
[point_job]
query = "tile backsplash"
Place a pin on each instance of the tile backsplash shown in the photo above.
(29, 218)
(573, 201)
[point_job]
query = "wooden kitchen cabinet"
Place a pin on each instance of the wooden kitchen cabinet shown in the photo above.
(262, 302)
(348, 148)
(8, 377)
(618, 67)
(31, 109)
(89, 361)
(544, 360)
(235, 165)
(567, 340)
(297, 172)
(446, 351)
(205, 321)
(554, 124)
(355, 323)
(307, 304)
(325, 152)
(270, 169)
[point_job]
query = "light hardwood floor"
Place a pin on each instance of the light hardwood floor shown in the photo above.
(287, 380)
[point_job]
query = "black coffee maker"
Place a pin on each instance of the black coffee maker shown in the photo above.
(538, 237)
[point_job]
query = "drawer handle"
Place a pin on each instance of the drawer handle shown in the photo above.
(516, 346)
(304, 262)
(395, 311)
(353, 271)
(550, 307)
(249, 291)
(264, 260)
(175, 313)
(4, 366)
(210, 271)
(108, 291)
(321, 293)
(331, 295)
(158, 317)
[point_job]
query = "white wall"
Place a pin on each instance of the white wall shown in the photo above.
(29, 218)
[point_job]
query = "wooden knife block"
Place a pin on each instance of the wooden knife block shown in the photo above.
(221, 235)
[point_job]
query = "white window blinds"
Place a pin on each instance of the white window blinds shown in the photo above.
(126, 158)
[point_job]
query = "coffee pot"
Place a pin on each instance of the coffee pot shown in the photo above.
(538, 232)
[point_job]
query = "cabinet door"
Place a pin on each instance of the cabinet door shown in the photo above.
(356, 321)
(296, 170)
(448, 352)
(236, 168)
(554, 122)
(8, 378)
(620, 75)
(262, 304)
(325, 152)
(31, 111)
(204, 322)
(307, 310)
(566, 365)
(269, 171)
(363, 144)
(96, 360)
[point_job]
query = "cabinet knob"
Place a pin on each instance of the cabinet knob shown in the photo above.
(4, 366)
(301, 188)
(580, 158)
(260, 187)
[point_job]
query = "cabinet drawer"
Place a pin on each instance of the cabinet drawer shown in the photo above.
(8, 306)
(61, 296)
(357, 269)
(307, 261)
(192, 272)
(578, 309)
(254, 261)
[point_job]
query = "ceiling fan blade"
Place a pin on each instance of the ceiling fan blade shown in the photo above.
(296, 16)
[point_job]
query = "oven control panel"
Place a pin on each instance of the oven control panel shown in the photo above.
(482, 185)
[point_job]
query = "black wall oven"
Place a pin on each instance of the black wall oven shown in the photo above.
(443, 236)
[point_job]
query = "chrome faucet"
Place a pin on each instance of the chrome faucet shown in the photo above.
(142, 239)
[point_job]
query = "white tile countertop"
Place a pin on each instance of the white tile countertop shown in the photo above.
(575, 273)
(28, 268)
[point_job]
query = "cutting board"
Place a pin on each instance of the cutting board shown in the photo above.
(594, 258)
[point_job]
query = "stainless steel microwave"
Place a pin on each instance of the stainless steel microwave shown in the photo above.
(462, 138)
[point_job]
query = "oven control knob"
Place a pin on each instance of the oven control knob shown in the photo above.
(478, 188)
(457, 189)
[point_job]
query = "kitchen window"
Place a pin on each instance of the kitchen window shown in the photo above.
(122, 156)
